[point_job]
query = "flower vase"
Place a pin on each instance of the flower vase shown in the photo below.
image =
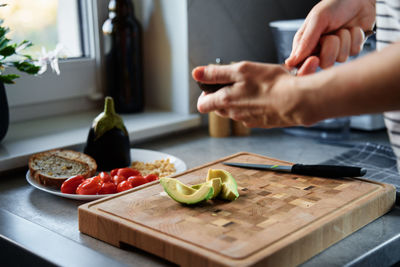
(4, 113)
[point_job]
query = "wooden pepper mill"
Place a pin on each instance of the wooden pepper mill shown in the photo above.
(218, 126)
(238, 129)
(224, 127)
(221, 127)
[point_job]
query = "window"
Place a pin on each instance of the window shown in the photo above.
(32, 20)
(73, 23)
(77, 24)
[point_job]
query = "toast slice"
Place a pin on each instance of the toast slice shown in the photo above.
(52, 168)
(75, 155)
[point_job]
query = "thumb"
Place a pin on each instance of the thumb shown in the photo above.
(306, 40)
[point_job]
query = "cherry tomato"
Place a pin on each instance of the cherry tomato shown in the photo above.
(108, 188)
(105, 177)
(151, 177)
(124, 185)
(137, 180)
(114, 172)
(128, 172)
(90, 186)
(118, 179)
(71, 184)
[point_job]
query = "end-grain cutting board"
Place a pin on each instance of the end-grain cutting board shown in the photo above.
(278, 220)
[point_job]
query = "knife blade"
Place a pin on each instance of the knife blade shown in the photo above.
(328, 171)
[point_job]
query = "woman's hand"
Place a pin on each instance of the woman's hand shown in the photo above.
(260, 95)
(332, 31)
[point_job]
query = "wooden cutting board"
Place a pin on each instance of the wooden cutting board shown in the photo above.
(278, 220)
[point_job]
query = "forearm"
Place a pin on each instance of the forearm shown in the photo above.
(370, 84)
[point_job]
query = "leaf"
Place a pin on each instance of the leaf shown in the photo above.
(27, 67)
(9, 78)
(26, 42)
(3, 42)
(7, 51)
(4, 31)
(27, 57)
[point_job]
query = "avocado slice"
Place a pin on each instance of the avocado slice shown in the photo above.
(216, 183)
(229, 186)
(184, 194)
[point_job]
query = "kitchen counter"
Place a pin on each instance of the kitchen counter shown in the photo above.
(44, 227)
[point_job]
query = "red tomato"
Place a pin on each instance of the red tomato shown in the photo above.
(108, 188)
(90, 186)
(69, 186)
(114, 172)
(105, 177)
(128, 172)
(137, 180)
(151, 177)
(118, 179)
(124, 185)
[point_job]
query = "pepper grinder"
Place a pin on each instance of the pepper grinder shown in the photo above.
(218, 126)
(238, 129)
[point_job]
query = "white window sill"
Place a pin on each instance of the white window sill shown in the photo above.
(26, 138)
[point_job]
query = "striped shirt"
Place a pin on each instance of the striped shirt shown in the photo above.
(388, 31)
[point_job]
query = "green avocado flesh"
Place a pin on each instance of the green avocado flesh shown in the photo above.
(185, 194)
(229, 187)
(216, 183)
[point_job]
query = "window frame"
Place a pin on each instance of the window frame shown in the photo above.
(80, 79)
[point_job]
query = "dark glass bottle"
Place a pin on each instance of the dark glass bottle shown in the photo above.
(123, 57)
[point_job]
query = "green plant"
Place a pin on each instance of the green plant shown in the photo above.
(11, 55)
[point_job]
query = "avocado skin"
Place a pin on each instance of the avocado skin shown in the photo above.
(111, 150)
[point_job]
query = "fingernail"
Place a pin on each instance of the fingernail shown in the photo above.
(198, 73)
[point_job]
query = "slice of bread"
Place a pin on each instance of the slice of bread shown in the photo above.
(75, 155)
(52, 168)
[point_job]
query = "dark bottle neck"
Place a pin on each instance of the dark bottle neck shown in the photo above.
(121, 8)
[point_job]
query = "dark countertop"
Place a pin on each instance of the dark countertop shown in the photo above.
(34, 223)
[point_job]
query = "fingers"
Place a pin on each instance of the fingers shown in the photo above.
(309, 66)
(306, 39)
(330, 45)
(214, 74)
(338, 46)
(215, 101)
(253, 117)
(345, 45)
(357, 40)
(334, 47)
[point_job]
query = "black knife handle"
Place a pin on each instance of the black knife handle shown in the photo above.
(211, 88)
(331, 171)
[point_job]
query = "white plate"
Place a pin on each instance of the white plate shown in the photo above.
(143, 155)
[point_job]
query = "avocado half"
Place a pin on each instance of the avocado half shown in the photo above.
(184, 194)
(216, 183)
(229, 189)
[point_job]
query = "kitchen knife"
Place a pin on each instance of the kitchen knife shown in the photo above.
(329, 171)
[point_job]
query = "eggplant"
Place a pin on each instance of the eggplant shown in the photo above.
(108, 140)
